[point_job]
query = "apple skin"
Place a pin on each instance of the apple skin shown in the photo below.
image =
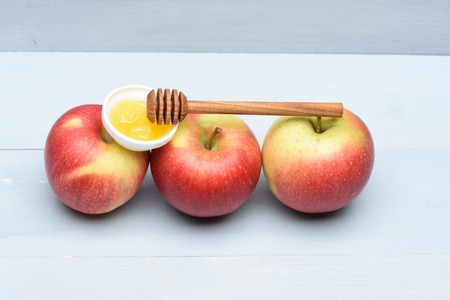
(86, 168)
(318, 172)
(208, 183)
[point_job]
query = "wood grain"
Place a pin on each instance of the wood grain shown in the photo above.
(392, 242)
(293, 26)
(315, 109)
(387, 91)
(309, 277)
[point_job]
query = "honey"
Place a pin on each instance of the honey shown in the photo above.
(130, 118)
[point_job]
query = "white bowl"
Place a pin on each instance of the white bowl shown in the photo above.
(134, 92)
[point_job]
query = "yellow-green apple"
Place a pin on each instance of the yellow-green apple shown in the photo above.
(316, 172)
(210, 167)
(86, 168)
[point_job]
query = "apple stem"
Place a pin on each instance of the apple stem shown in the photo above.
(216, 131)
(319, 125)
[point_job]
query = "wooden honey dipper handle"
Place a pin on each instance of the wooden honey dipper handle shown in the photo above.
(172, 107)
(322, 109)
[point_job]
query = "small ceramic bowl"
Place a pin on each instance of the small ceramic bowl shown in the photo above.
(134, 92)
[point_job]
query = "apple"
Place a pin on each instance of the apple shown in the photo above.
(210, 167)
(317, 172)
(86, 168)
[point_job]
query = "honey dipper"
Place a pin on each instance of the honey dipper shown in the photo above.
(172, 107)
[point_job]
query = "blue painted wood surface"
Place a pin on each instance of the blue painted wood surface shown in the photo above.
(289, 26)
(393, 242)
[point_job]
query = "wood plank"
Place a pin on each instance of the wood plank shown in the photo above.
(306, 277)
(399, 97)
(326, 26)
(403, 210)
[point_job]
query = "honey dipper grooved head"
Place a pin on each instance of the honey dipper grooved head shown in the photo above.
(165, 106)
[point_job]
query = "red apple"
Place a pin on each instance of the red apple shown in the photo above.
(208, 172)
(86, 168)
(318, 172)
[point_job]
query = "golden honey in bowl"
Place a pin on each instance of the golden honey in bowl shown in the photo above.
(129, 117)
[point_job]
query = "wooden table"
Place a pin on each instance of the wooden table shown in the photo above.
(393, 242)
